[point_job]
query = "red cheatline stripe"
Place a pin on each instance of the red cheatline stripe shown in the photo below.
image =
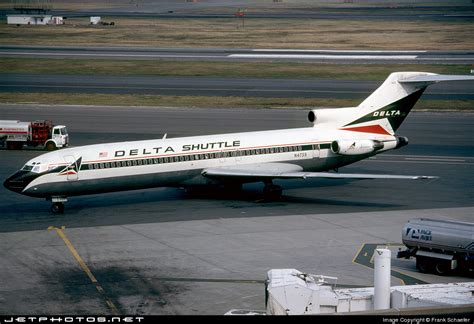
(376, 129)
(67, 173)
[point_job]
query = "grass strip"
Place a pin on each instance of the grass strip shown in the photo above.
(363, 34)
(219, 69)
(207, 101)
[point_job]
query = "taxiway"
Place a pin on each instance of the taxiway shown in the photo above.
(215, 86)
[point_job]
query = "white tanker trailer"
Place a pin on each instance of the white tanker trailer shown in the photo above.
(439, 246)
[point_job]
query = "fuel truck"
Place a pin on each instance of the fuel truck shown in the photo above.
(15, 134)
(439, 246)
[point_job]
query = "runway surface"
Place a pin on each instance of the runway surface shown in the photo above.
(231, 55)
(164, 251)
(216, 86)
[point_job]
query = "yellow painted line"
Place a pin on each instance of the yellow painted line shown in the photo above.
(357, 254)
(399, 274)
(83, 265)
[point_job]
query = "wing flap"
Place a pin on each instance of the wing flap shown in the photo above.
(268, 171)
(359, 176)
(255, 171)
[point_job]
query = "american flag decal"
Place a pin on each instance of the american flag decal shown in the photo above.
(103, 154)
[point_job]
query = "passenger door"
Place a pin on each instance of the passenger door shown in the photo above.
(315, 151)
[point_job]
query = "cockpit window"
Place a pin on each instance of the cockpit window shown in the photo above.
(35, 167)
(64, 131)
(27, 167)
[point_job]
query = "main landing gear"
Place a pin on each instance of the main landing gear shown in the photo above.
(57, 204)
(271, 191)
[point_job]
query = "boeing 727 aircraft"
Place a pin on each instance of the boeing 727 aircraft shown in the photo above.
(337, 138)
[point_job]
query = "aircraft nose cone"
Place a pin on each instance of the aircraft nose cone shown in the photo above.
(16, 182)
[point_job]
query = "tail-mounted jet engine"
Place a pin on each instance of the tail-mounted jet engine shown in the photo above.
(330, 116)
(401, 141)
(356, 147)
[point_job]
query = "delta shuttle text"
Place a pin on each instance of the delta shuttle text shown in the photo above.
(171, 149)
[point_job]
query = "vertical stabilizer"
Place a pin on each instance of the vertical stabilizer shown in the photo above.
(387, 107)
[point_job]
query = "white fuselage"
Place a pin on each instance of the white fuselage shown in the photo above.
(180, 161)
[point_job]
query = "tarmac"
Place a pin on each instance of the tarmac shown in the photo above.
(164, 251)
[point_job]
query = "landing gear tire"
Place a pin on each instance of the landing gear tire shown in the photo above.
(442, 268)
(272, 192)
(50, 146)
(424, 265)
(57, 208)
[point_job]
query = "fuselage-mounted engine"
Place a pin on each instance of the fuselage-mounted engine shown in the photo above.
(356, 147)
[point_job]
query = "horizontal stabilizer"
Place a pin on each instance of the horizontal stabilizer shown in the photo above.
(435, 78)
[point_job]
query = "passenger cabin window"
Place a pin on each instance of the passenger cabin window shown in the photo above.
(56, 131)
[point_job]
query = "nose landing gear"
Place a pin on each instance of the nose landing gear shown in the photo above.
(57, 204)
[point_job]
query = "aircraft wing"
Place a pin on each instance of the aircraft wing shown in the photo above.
(263, 171)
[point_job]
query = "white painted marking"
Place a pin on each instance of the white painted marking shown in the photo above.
(428, 159)
(422, 159)
(429, 156)
(249, 56)
(326, 57)
(466, 58)
(420, 162)
(334, 51)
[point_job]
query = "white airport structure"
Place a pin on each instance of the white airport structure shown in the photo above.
(292, 292)
(28, 19)
(382, 279)
(56, 20)
(95, 20)
(34, 19)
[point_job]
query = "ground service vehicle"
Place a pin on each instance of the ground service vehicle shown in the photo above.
(439, 246)
(15, 134)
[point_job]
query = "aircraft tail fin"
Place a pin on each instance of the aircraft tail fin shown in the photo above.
(387, 107)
